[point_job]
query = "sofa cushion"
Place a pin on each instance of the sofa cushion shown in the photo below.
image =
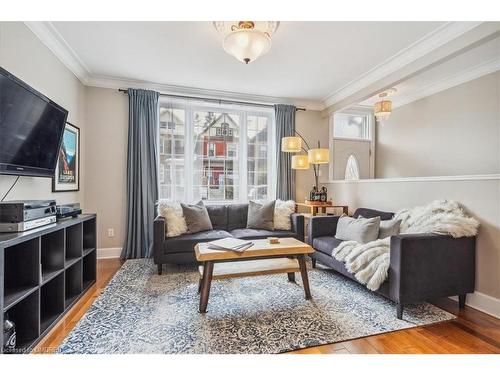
(360, 230)
(186, 242)
(218, 215)
(261, 216)
(237, 216)
(326, 244)
(197, 218)
(175, 223)
(254, 234)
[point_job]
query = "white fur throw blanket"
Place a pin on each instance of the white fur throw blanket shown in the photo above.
(370, 262)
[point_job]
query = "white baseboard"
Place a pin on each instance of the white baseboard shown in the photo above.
(483, 302)
(109, 252)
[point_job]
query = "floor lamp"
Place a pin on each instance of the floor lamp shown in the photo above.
(314, 156)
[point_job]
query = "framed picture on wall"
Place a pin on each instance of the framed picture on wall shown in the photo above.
(67, 176)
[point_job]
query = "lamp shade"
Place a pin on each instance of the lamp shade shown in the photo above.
(319, 155)
(247, 44)
(291, 144)
(300, 162)
(383, 108)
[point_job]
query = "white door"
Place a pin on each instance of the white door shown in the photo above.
(351, 159)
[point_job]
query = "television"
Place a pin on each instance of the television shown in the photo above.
(31, 129)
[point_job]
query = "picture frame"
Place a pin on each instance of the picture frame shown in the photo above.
(67, 173)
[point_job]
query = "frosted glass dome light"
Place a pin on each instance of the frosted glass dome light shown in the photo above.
(247, 44)
(246, 40)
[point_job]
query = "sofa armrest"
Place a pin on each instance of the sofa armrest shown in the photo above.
(426, 266)
(298, 225)
(320, 226)
(159, 230)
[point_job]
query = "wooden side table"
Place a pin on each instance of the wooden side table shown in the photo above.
(321, 207)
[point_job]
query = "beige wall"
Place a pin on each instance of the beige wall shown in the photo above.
(312, 127)
(454, 132)
(106, 113)
(22, 54)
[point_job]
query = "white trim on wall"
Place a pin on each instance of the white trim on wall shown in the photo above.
(109, 252)
(483, 302)
(54, 41)
(459, 78)
(422, 47)
(472, 177)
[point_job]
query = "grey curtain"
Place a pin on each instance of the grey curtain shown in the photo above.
(285, 127)
(142, 181)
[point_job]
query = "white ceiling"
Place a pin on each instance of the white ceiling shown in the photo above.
(308, 60)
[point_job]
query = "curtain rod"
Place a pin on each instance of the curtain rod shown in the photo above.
(220, 101)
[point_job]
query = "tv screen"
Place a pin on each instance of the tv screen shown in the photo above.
(31, 129)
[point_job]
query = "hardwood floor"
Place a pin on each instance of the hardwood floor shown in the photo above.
(472, 332)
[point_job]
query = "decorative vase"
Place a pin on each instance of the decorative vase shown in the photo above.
(9, 336)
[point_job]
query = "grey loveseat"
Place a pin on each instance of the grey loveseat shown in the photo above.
(422, 266)
(227, 221)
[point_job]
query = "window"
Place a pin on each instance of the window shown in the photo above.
(352, 126)
(216, 153)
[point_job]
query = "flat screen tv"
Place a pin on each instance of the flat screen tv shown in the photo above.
(31, 129)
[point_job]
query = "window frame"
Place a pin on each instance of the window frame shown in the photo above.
(370, 118)
(190, 108)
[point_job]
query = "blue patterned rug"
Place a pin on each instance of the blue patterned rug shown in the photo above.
(142, 312)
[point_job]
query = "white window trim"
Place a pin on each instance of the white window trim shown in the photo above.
(242, 147)
(371, 134)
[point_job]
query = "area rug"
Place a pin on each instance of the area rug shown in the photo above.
(142, 312)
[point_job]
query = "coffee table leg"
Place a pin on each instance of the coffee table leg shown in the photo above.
(208, 268)
(291, 276)
(303, 273)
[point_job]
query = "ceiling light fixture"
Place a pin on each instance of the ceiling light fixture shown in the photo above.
(246, 40)
(383, 108)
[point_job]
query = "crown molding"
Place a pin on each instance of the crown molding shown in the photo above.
(420, 48)
(118, 83)
(466, 75)
(54, 41)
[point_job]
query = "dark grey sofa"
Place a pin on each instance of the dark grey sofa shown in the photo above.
(422, 266)
(227, 221)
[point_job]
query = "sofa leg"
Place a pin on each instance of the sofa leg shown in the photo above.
(399, 310)
(291, 276)
(159, 268)
(313, 261)
(461, 300)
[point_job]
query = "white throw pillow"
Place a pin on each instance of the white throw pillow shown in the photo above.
(282, 212)
(172, 212)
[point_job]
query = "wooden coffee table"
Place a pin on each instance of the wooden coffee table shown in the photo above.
(263, 258)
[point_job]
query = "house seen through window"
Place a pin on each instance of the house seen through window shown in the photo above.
(215, 153)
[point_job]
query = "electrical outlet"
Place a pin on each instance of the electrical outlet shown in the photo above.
(111, 232)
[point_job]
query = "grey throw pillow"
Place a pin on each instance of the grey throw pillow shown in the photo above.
(389, 228)
(360, 230)
(260, 216)
(196, 216)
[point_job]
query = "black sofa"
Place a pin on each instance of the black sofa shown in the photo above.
(422, 266)
(227, 221)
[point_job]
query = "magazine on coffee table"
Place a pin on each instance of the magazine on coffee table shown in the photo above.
(231, 244)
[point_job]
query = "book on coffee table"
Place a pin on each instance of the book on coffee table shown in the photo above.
(231, 244)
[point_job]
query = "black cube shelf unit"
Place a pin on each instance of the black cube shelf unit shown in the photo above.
(43, 273)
